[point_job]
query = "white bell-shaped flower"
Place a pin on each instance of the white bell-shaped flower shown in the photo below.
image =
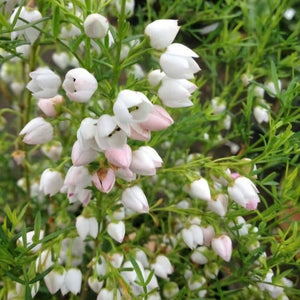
(131, 107)
(162, 267)
(86, 226)
(162, 33)
(51, 182)
(30, 15)
(37, 131)
(135, 199)
(44, 84)
(177, 62)
(176, 92)
(109, 134)
(116, 231)
(222, 246)
(79, 85)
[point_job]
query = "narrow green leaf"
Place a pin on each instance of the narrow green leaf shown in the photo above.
(56, 21)
(37, 227)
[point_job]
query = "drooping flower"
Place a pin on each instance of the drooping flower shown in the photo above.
(131, 107)
(79, 85)
(119, 157)
(192, 236)
(244, 193)
(44, 84)
(176, 92)
(162, 267)
(51, 182)
(96, 26)
(116, 231)
(86, 226)
(162, 33)
(177, 62)
(72, 282)
(135, 199)
(200, 189)
(223, 247)
(83, 155)
(37, 131)
(261, 113)
(145, 161)
(30, 15)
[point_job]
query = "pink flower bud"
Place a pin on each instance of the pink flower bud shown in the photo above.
(51, 182)
(158, 119)
(79, 85)
(244, 193)
(104, 180)
(223, 247)
(135, 199)
(119, 157)
(162, 33)
(116, 231)
(82, 156)
(37, 131)
(145, 160)
(50, 106)
(137, 132)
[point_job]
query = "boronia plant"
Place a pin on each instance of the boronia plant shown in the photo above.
(127, 172)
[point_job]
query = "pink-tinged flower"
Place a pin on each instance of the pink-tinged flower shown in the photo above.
(135, 199)
(162, 33)
(82, 156)
(109, 134)
(86, 226)
(79, 85)
(104, 179)
(137, 132)
(145, 160)
(51, 182)
(162, 267)
(37, 131)
(176, 92)
(222, 247)
(244, 193)
(96, 26)
(55, 280)
(119, 157)
(30, 15)
(131, 107)
(125, 174)
(76, 181)
(116, 231)
(208, 235)
(50, 106)
(44, 84)
(192, 236)
(158, 119)
(200, 189)
(219, 206)
(72, 282)
(155, 77)
(177, 62)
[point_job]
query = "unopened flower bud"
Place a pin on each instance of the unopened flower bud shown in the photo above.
(51, 182)
(96, 26)
(50, 106)
(116, 231)
(223, 247)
